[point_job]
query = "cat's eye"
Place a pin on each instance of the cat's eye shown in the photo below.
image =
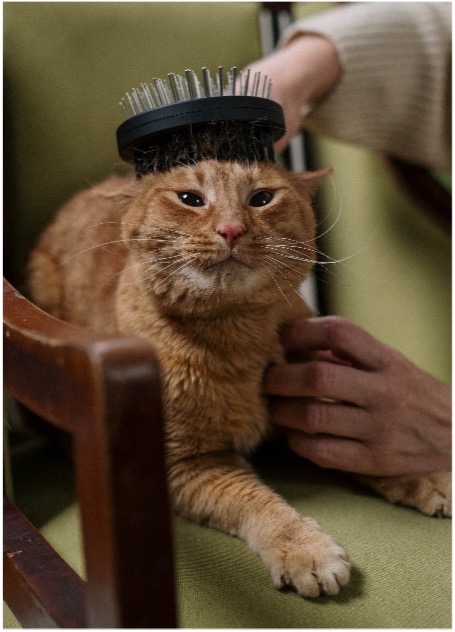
(261, 198)
(190, 199)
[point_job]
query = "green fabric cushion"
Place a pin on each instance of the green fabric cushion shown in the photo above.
(401, 561)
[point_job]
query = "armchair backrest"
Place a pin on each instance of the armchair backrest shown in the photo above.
(67, 64)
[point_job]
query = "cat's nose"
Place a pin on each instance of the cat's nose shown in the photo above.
(230, 232)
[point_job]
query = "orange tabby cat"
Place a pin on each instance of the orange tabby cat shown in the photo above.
(205, 262)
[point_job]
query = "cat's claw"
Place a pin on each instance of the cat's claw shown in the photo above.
(436, 504)
(313, 565)
(429, 493)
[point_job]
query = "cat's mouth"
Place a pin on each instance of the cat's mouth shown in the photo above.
(231, 262)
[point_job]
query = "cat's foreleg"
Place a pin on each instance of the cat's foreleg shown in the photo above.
(222, 491)
(429, 493)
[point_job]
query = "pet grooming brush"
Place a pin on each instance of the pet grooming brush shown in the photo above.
(183, 120)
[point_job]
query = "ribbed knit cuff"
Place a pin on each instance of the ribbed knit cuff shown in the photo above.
(394, 91)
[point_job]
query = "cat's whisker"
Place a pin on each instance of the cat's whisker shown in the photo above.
(317, 262)
(316, 251)
(173, 231)
(188, 259)
(146, 256)
(288, 239)
(283, 250)
(298, 293)
(284, 267)
(125, 240)
(282, 264)
(111, 278)
(333, 260)
(299, 246)
(326, 263)
(294, 249)
(277, 284)
(106, 243)
(281, 267)
(157, 228)
(177, 260)
(149, 268)
(152, 270)
(295, 246)
(216, 285)
(120, 223)
(332, 226)
(285, 264)
(293, 257)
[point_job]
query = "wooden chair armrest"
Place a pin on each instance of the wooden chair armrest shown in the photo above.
(53, 584)
(105, 391)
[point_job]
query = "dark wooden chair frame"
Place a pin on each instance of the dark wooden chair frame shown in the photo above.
(105, 392)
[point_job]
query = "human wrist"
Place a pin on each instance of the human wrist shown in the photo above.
(312, 67)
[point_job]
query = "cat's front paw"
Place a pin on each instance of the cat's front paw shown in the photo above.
(430, 493)
(307, 559)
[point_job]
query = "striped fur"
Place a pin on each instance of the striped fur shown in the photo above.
(209, 285)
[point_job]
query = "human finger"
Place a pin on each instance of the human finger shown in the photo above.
(341, 336)
(335, 453)
(313, 416)
(320, 380)
(327, 356)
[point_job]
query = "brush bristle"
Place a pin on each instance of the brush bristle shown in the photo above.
(222, 141)
(161, 92)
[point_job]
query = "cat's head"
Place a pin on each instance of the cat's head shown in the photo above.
(220, 233)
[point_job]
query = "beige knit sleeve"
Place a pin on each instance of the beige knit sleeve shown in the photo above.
(394, 92)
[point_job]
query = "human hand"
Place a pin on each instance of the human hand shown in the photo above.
(302, 72)
(360, 406)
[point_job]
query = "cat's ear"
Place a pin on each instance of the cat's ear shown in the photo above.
(308, 182)
(123, 190)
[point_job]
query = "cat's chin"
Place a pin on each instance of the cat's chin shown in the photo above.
(230, 275)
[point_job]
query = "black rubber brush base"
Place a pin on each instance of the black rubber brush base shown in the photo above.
(240, 127)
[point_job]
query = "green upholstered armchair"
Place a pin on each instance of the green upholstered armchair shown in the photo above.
(66, 65)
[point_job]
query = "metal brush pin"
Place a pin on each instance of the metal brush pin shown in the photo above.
(178, 120)
(160, 92)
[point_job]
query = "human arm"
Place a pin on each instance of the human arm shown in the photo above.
(392, 88)
(360, 406)
(303, 72)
